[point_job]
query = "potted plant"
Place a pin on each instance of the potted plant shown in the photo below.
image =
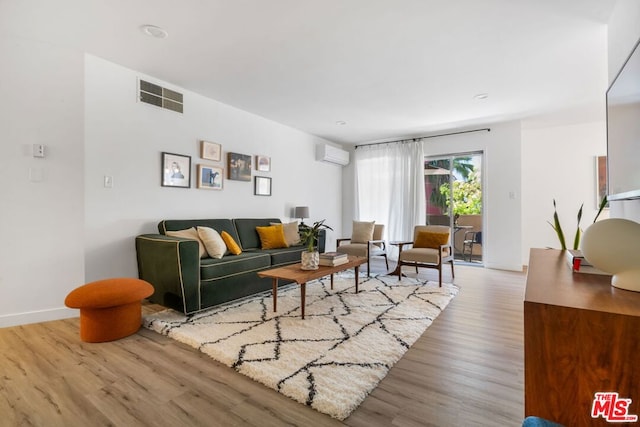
(558, 228)
(309, 235)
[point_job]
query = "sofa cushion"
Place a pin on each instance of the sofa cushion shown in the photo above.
(190, 233)
(362, 231)
(213, 243)
(285, 256)
(212, 269)
(291, 232)
(233, 247)
(272, 237)
(247, 233)
(219, 225)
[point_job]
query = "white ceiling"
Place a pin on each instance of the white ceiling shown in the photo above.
(390, 69)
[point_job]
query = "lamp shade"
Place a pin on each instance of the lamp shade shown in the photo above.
(613, 245)
(301, 212)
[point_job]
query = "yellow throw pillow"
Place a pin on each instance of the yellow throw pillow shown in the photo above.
(233, 247)
(428, 239)
(291, 233)
(272, 237)
(190, 233)
(362, 231)
(212, 241)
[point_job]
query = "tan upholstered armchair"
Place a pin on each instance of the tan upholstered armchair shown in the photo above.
(431, 248)
(365, 244)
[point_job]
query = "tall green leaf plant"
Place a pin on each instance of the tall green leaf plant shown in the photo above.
(558, 228)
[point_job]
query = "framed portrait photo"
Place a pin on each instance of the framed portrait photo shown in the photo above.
(263, 163)
(239, 167)
(262, 186)
(210, 177)
(176, 170)
(210, 151)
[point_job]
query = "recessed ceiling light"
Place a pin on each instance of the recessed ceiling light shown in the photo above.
(481, 96)
(154, 31)
(341, 122)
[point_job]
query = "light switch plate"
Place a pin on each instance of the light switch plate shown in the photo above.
(38, 150)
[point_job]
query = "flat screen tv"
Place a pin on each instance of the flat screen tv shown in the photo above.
(623, 131)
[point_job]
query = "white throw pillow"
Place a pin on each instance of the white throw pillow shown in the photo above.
(213, 242)
(362, 231)
(190, 233)
(291, 233)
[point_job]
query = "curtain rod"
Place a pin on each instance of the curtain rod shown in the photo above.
(425, 137)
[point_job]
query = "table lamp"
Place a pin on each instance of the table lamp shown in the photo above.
(301, 212)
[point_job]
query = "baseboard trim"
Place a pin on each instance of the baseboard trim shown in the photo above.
(504, 267)
(27, 317)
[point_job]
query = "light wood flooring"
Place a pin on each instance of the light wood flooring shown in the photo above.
(466, 370)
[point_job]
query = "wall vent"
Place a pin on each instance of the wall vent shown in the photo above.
(159, 96)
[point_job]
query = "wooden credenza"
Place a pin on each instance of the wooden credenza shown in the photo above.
(581, 336)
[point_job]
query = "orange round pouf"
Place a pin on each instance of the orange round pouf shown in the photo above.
(110, 309)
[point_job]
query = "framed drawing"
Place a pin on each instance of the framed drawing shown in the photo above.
(239, 167)
(210, 151)
(601, 179)
(263, 163)
(210, 177)
(176, 170)
(262, 186)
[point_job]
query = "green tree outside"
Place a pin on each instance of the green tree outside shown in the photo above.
(467, 195)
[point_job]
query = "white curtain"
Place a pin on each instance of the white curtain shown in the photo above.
(390, 186)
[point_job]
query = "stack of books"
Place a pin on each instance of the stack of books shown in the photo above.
(332, 259)
(579, 263)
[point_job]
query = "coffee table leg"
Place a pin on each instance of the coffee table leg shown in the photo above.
(357, 276)
(331, 281)
(275, 293)
(303, 291)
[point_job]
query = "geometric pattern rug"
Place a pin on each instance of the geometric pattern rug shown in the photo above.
(333, 358)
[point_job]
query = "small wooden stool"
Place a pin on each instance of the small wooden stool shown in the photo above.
(110, 309)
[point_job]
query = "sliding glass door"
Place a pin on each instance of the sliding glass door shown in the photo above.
(453, 185)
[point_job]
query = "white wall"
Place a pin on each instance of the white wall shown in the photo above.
(623, 32)
(67, 229)
(42, 214)
(558, 163)
(125, 138)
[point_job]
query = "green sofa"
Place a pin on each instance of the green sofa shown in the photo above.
(186, 283)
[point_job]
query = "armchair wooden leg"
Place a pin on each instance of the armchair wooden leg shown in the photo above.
(386, 261)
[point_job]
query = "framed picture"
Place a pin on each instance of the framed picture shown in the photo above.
(263, 163)
(239, 167)
(176, 170)
(210, 151)
(262, 186)
(601, 179)
(210, 177)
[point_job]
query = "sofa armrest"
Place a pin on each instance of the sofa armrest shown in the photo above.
(172, 266)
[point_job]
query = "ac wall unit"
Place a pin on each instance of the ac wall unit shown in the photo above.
(331, 154)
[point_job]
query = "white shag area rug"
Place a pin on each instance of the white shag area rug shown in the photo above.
(333, 358)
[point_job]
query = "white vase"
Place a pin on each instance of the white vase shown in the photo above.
(310, 260)
(613, 245)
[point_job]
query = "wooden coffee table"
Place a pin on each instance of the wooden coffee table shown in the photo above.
(295, 273)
